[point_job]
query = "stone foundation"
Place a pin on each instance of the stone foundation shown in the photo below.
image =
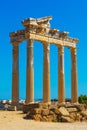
(56, 113)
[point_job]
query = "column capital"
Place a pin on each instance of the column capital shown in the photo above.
(30, 40)
(15, 43)
(74, 51)
(73, 55)
(61, 50)
(15, 47)
(15, 57)
(30, 43)
(46, 47)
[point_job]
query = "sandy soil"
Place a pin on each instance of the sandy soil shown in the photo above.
(15, 121)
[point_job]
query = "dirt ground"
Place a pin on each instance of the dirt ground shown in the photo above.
(14, 120)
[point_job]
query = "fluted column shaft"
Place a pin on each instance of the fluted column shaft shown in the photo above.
(46, 74)
(15, 75)
(74, 77)
(30, 73)
(61, 91)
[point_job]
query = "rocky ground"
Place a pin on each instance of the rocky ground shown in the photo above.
(51, 113)
(56, 113)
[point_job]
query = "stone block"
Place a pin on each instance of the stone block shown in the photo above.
(70, 110)
(45, 119)
(52, 106)
(56, 111)
(43, 105)
(45, 112)
(37, 117)
(66, 119)
(63, 111)
(35, 111)
(73, 115)
(78, 117)
(29, 107)
(51, 112)
(83, 119)
(50, 117)
(84, 113)
(80, 107)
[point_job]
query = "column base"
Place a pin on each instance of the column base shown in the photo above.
(29, 103)
(76, 103)
(62, 103)
(49, 103)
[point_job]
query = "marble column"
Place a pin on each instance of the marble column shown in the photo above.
(15, 75)
(74, 77)
(30, 73)
(46, 74)
(61, 91)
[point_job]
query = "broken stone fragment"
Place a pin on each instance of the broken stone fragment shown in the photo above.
(63, 111)
(70, 110)
(45, 112)
(66, 119)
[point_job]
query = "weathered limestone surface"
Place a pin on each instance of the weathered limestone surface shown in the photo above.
(46, 76)
(61, 91)
(56, 113)
(30, 73)
(74, 77)
(70, 110)
(15, 75)
(66, 119)
(84, 113)
(63, 111)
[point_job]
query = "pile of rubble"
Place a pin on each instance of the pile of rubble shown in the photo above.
(56, 113)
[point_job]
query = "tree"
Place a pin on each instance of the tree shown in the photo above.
(82, 99)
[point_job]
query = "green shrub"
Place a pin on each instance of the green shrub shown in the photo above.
(82, 99)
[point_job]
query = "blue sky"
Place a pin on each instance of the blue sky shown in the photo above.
(68, 15)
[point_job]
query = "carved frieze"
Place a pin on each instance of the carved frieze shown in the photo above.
(39, 29)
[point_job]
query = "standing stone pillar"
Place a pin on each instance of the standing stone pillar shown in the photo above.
(15, 75)
(74, 77)
(46, 74)
(61, 92)
(30, 73)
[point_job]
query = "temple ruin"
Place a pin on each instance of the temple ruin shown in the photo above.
(39, 30)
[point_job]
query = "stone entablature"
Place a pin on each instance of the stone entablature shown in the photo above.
(39, 29)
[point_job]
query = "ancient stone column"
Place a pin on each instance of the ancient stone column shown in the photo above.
(46, 74)
(61, 92)
(74, 77)
(15, 75)
(30, 73)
